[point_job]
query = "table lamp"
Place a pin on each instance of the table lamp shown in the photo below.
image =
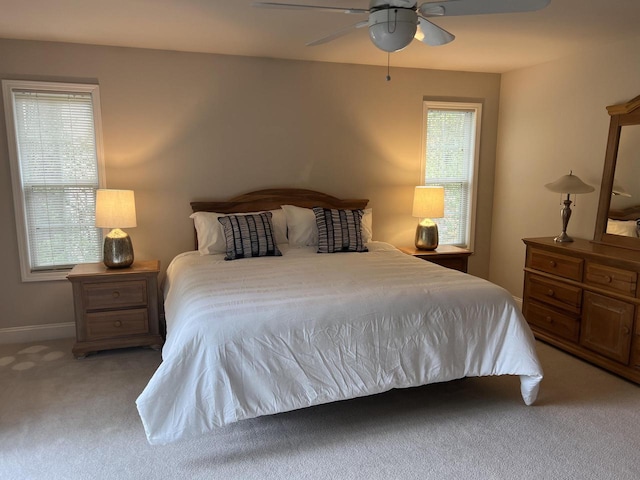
(428, 203)
(569, 184)
(116, 209)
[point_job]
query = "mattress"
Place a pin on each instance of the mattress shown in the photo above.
(260, 336)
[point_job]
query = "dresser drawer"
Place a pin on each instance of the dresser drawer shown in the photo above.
(612, 279)
(545, 318)
(112, 295)
(560, 265)
(554, 293)
(116, 324)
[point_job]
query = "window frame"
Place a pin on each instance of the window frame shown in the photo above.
(8, 87)
(476, 107)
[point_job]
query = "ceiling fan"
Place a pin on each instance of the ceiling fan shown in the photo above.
(394, 23)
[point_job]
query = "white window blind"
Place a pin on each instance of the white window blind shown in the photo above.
(56, 152)
(450, 161)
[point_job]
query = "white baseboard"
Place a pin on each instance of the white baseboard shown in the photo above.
(37, 333)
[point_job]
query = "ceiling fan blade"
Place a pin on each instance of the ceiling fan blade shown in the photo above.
(432, 34)
(474, 7)
(294, 6)
(339, 33)
(431, 10)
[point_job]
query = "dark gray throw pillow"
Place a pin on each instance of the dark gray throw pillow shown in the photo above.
(249, 236)
(339, 230)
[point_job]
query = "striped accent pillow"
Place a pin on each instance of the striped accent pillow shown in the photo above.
(339, 230)
(249, 236)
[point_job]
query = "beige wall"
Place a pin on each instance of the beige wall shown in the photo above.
(180, 126)
(553, 119)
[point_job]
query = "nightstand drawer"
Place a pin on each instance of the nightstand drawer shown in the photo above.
(111, 295)
(613, 279)
(115, 324)
(547, 319)
(561, 265)
(554, 293)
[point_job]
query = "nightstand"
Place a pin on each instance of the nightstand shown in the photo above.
(445, 255)
(115, 307)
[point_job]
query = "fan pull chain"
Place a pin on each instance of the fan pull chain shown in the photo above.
(395, 25)
(388, 72)
(395, 20)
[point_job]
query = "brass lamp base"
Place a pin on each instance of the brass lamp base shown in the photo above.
(562, 238)
(118, 249)
(426, 235)
(565, 213)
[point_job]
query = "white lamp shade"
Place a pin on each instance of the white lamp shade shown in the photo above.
(428, 202)
(115, 209)
(392, 30)
(569, 184)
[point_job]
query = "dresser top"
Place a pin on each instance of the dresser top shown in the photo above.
(582, 247)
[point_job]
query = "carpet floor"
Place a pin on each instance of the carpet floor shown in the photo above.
(62, 418)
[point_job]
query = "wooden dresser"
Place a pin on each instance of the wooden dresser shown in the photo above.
(115, 308)
(584, 298)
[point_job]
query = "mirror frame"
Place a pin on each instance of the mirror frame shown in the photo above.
(621, 115)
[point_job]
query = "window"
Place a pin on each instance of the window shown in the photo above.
(451, 150)
(55, 147)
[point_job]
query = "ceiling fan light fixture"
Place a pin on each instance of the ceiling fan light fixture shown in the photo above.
(392, 29)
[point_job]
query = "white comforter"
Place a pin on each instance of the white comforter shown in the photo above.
(265, 335)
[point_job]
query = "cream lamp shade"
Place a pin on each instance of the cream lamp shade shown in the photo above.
(569, 184)
(116, 209)
(428, 203)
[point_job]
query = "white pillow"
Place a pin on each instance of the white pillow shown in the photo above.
(211, 233)
(301, 226)
(367, 225)
(303, 231)
(628, 228)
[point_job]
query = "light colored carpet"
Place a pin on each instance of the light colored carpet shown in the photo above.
(63, 418)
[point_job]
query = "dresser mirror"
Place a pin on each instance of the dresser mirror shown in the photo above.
(619, 205)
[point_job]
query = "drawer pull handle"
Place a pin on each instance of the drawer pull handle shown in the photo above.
(117, 323)
(552, 263)
(626, 331)
(115, 294)
(549, 319)
(551, 293)
(602, 278)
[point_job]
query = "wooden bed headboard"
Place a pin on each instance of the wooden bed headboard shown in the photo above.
(630, 213)
(273, 198)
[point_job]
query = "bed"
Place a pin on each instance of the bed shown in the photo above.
(625, 221)
(274, 333)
